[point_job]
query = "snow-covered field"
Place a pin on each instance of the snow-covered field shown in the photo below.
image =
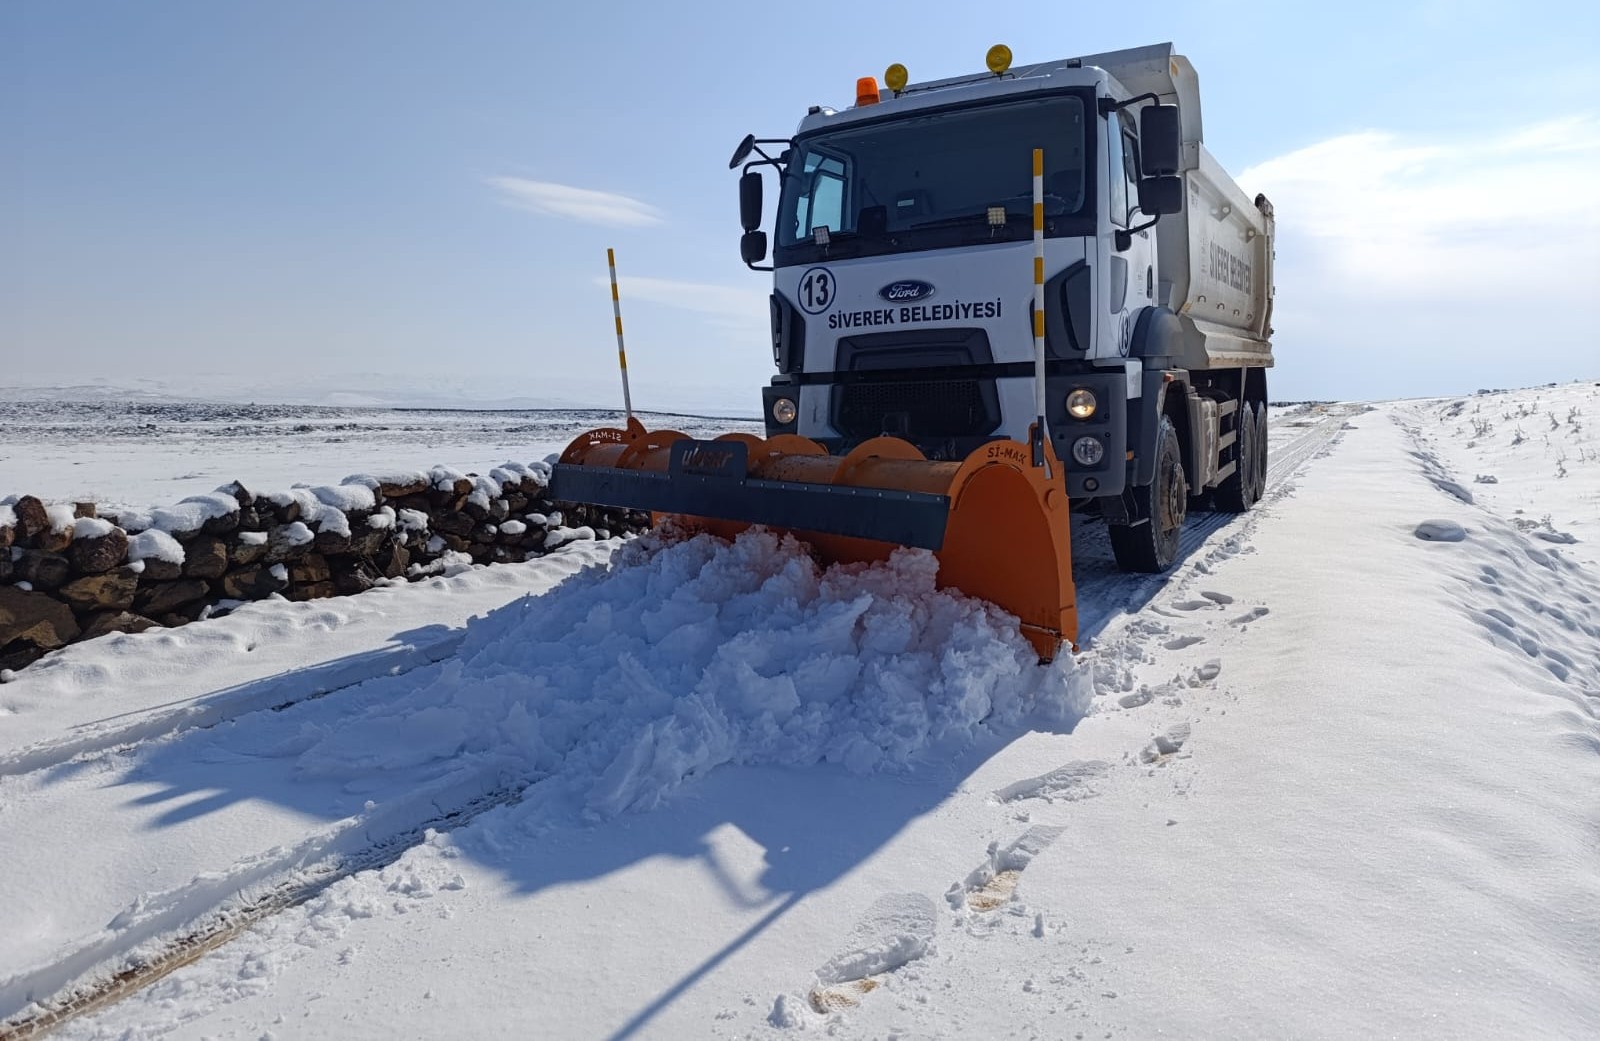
(1329, 778)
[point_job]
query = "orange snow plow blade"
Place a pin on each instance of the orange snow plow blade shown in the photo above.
(997, 525)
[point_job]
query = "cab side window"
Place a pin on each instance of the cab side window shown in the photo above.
(1116, 181)
(1130, 164)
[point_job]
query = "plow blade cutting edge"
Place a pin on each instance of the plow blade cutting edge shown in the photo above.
(997, 525)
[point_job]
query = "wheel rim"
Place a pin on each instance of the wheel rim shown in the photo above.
(1172, 503)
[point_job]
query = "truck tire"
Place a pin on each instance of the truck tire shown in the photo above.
(1261, 447)
(1238, 492)
(1150, 543)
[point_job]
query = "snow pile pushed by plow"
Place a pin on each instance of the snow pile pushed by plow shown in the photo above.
(689, 654)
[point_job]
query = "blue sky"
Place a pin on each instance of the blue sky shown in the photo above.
(291, 195)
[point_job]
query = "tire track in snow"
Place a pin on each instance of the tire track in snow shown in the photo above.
(1104, 592)
(166, 931)
(224, 706)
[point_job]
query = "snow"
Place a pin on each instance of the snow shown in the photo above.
(561, 535)
(513, 527)
(61, 517)
(252, 538)
(296, 534)
(412, 520)
(91, 528)
(346, 497)
(154, 544)
(1325, 779)
(382, 520)
(8, 516)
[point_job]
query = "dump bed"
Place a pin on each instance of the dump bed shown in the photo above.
(1215, 260)
(1216, 256)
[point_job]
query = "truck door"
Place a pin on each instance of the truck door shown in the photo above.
(1132, 282)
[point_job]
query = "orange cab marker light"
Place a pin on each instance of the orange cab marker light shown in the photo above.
(867, 90)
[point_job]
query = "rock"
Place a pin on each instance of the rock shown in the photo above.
(8, 535)
(6, 567)
(331, 542)
(166, 597)
(249, 518)
(205, 557)
(112, 591)
(222, 525)
(287, 542)
(453, 523)
(516, 503)
(485, 533)
(52, 541)
(358, 578)
(172, 620)
(480, 552)
(391, 490)
(81, 510)
(281, 514)
(456, 542)
(499, 510)
(35, 618)
(241, 495)
(159, 570)
(367, 541)
(310, 569)
(104, 623)
(42, 570)
(243, 554)
(19, 655)
(392, 560)
(313, 591)
(419, 503)
(93, 556)
(31, 516)
(251, 583)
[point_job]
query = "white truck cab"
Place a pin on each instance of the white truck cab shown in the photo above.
(903, 282)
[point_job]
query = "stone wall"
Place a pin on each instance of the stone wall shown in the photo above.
(69, 572)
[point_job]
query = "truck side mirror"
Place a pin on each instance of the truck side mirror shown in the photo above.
(1160, 141)
(1160, 195)
(753, 247)
(750, 201)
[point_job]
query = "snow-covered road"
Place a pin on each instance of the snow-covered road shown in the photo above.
(1325, 779)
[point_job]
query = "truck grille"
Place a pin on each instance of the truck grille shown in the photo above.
(920, 409)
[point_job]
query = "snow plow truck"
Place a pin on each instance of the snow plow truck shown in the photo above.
(993, 295)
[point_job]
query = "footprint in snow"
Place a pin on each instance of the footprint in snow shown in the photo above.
(993, 883)
(1179, 643)
(1165, 745)
(896, 930)
(1070, 782)
(1250, 616)
(1222, 599)
(1194, 605)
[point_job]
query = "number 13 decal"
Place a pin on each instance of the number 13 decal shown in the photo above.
(816, 290)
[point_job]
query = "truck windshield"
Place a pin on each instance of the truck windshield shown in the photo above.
(936, 180)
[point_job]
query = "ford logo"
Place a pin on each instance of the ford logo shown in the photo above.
(910, 289)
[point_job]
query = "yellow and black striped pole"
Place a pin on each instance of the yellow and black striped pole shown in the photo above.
(1038, 311)
(616, 309)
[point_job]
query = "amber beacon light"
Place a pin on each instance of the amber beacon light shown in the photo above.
(867, 90)
(998, 59)
(895, 77)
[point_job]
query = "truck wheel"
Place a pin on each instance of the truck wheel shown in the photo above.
(1261, 448)
(1150, 544)
(1235, 494)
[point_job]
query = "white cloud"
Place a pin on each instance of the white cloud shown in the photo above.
(581, 204)
(704, 298)
(1430, 252)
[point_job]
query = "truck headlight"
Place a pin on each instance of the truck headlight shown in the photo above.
(1081, 403)
(783, 411)
(1088, 450)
